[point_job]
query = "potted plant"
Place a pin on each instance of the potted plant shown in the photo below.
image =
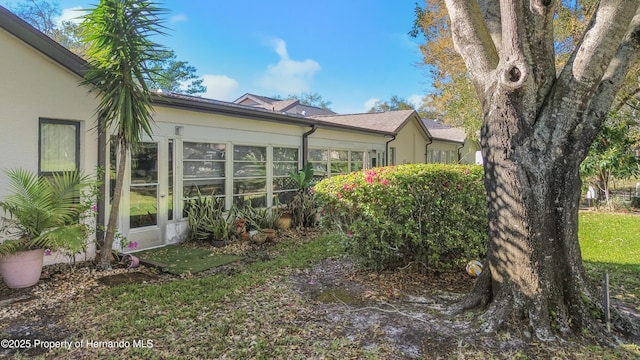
(219, 230)
(302, 206)
(40, 213)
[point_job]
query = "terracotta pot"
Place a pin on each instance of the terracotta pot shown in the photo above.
(284, 223)
(270, 233)
(130, 260)
(259, 238)
(22, 269)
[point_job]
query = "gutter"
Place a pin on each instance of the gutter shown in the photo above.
(305, 143)
(386, 150)
(426, 150)
(460, 148)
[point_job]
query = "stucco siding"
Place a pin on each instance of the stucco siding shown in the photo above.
(33, 87)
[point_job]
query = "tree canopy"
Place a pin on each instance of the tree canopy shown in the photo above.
(307, 98)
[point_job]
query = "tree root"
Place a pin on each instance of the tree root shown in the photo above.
(478, 298)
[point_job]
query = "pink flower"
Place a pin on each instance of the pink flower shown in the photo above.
(467, 172)
(47, 252)
(345, 187)
(94, 208)
(459, 187)
(339, 195)
(132, 245)
(370, 179)
(312, 190)
(349, 233)
(385, 182)
(353, 186)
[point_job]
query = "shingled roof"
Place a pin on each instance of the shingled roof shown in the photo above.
(288, 106)
(444, 132)
(389, 121)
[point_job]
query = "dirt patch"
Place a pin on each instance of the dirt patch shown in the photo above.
(127, 278)
(407, 311)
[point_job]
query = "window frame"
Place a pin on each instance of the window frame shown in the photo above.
(43, 121)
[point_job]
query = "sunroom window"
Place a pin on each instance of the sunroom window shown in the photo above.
(203, 169)
(285, 160)
(250, 175)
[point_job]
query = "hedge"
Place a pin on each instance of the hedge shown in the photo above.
(429, 214)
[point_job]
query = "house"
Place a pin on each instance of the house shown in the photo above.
(238, 151)
(289, 106)
(451, 144)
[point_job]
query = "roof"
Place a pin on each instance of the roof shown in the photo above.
(444, 132)
(289, 106)
(389, 121)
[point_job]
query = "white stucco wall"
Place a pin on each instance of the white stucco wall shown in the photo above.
(32, 86)
(410, 144)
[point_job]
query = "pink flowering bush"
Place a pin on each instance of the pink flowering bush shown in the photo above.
(430, 214)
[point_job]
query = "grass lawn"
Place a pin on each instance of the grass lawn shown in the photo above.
(178, 259)
(256, 312)
(610, 242)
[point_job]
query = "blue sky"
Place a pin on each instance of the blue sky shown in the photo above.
(351, 52)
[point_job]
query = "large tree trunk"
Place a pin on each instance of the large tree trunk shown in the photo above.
(536, 131)
(107, 245)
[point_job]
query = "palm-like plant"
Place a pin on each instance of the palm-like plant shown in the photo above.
(43, 212)
(117, 33)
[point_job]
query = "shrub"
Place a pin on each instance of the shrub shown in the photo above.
(433, 214)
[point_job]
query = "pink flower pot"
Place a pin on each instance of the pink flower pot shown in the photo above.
(22, 269)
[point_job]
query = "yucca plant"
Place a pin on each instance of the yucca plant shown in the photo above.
(43, 212)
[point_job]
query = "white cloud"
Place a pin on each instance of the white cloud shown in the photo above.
(288, 76)
(416, 100)
(220, 87)
(178, 18)
(370, 103)
(73, 14)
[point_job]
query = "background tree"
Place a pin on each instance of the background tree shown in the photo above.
(540, 115)
(395, 103)
(170, 74)
(612, 155)
(310, 99)
(119, 49)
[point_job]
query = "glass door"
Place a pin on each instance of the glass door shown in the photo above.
(143, 189)
(150, 190)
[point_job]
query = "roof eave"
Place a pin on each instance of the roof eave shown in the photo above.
(41, 42)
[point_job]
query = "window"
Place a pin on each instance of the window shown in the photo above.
(59, 146)
(329, 162)
(339, 162)
(357, 160)
(285, 160)
(319, 158)
(250, 175)
(392, 156)
(203, 169)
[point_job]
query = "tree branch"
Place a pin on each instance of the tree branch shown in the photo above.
(610, 22)
(491, 14)
(614, 76)
(541, 46)
(472, 40)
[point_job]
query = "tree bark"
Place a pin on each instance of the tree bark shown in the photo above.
(537, 128)
(109, 236)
